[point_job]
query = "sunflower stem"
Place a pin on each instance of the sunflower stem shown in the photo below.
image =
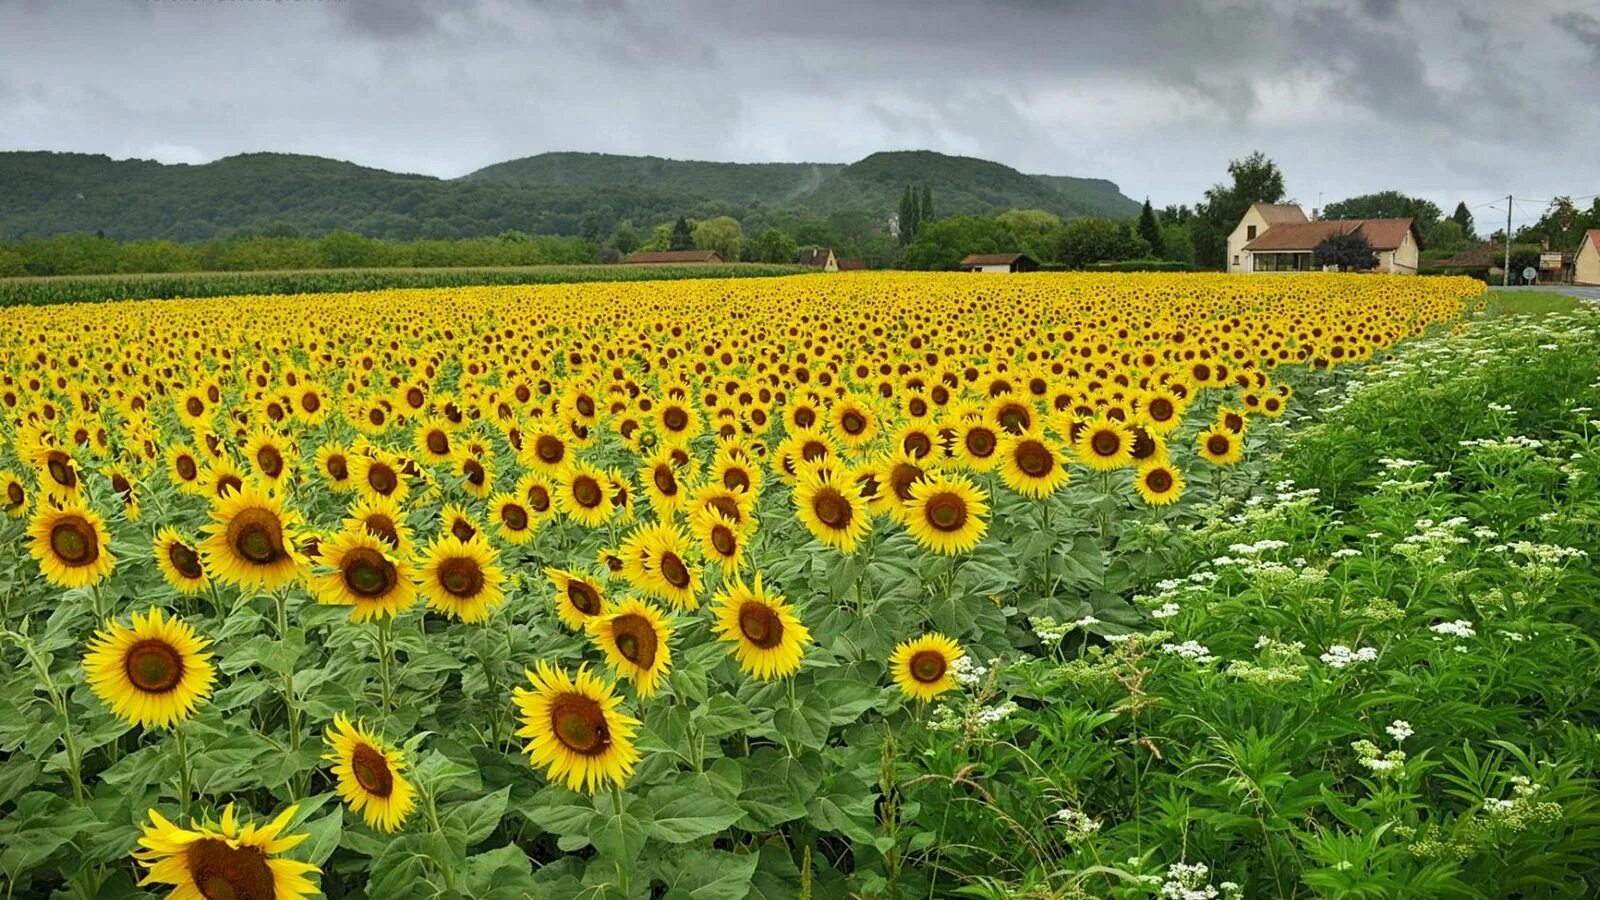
(291, 709)
(622, 871)
(384, 653)
(58, 702)
(99, 611)
(179, 736)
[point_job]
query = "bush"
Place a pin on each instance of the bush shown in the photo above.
(1141, 265)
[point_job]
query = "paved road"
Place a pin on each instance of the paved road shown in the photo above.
(1586, 293)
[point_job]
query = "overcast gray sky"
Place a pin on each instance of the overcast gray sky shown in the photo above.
(1440, 98)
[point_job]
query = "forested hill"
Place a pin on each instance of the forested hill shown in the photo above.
(554, 193)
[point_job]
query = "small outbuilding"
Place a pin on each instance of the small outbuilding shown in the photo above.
(673, 257)
(819, 258)
(1000, 262)
(1586, 264)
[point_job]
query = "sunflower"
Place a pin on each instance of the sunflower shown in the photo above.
(583, 494)
(735, 504)
(579, 599)
(183, 467)
(537, 491)
(369, 775)
(1158, 483)
(663, 486)
(977, 445)
(179, 562)
(384, 519)
(461, 578)
(634, 637)
(1033, 465)
(546, 451)
(946, 513)
(922, 666)
(365, 575)
(897, 472)
(71, 545)
(59, 475)
(853, 421)
(720, 537)
(769, 639)
(334, 465)
(511, 518)
(576, 729)
(151, 675)
(250, 541)
(476, 474)
(125, 485)
(269, 456)
(432, 440)
(380, 475)
(457, 522)
(1219, 446)
(1105, 444)
(310, 406)
(221, 478)
(13, 495)
(736, 473)
(203, 862)
(831, 507)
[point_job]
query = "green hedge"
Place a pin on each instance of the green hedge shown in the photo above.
(95, 288)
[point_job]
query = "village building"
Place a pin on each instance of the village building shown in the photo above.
(1586, 264)
(1000, 262)
(1277, 237)
(819, 258)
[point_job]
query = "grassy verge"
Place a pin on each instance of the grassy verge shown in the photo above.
(96, 288)
(1535, 303)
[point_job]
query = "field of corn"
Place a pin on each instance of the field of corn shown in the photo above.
(878, 585)
(167, 286)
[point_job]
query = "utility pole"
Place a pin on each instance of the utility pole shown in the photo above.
(1505, 276)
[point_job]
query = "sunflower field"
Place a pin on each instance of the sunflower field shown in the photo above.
(878, 585)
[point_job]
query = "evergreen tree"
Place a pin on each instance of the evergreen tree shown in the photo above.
(908, 216)
(1150, 229)
(682, 235)
(1463, 217)
(925, 207)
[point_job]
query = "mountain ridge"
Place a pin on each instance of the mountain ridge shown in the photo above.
(560, 192)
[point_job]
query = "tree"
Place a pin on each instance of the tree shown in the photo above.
(1035, 231)
(1446, 236)
(908, 216)
(626, 240)
(925, 206)
(1350, 252)
(1255, 179)
(943, 244)
(1150, 230)
(589, 227)
(1463, 217)
(682, 237)
(775, 246)
(1175, 238)
(721, 234)
(1090, 240)
(1387, 205)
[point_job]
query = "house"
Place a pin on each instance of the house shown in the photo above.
(1279, 238)
(852, 264)
(1257, 219)
(1000, 262)
(1586, 266)
(819, 258)
(672, 257)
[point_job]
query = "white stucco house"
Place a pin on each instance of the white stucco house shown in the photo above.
(1277, 237)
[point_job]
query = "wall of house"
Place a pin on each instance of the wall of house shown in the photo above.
(1404, 260)
(1238, 260)
(1587, 270)
(1005, 269)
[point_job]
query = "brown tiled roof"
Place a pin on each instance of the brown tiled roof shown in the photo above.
(1594, 238)
(1280, 213)
(850, 264)
(815, 256)
(673, 256)
(1481, 256)
(992, 259)
(1382, 234)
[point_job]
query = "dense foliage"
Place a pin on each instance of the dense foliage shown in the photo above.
(763, 588)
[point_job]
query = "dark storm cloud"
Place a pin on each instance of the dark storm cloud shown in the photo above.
(1429, 96)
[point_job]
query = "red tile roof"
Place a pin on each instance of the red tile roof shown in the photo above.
(1280, 213)
(674, 256)
(1382, 234)
(1594, 238)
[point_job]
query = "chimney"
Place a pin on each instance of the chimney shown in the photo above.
(1314, 212)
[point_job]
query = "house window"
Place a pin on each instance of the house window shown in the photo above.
(1249, 232)
(1236, 259)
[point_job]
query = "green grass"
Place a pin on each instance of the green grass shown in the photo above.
(1536, 303)
(99, 288)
